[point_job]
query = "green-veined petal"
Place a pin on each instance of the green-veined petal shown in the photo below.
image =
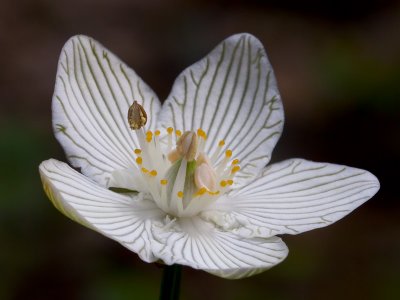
(93, 92)
(125, 219)
(297, 195)
(200, 245)
(232, 95)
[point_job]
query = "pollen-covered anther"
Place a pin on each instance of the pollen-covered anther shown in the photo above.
(228, 153)
(157, 133)
(235, 162)
(223, 183)
(213, 193)
(149, 136)
(138, 151)
(163, 181)
(187, 145)
(170, 130)
(180, 194)
(201, 191)
(145, 171)
(139, 160)
(153, 173)
(201, 133)
(235, 169)
(221, 143)
(178, 133)
(137, 116)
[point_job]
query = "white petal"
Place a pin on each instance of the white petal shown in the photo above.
(199, 245)
(296, 195)
(125, 219)
(232, 95)
(93, 92)
(127, 179)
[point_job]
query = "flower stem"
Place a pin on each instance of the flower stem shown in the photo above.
(171, 282)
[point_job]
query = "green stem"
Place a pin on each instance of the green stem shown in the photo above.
(171, 282)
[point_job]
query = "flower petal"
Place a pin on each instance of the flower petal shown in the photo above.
(200, 245)
(297, 195)
(125, 219)
(93, 92)
(232, 95)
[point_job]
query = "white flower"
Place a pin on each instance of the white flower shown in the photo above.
(209, 202)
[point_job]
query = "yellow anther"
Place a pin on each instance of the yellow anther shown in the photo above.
(230, 181)
(221, 143)
(235, 162)
(213, 193)
(144, 170)
(201, 191)
(178, 133)
(201, 133)
(164, 181)
(228, 153)
(235, 169)
(149, 136)
(180, 194)
(223, 183)
(170, 130)
(138, 151)
(157, 132)
(139, 160)
(153, 173)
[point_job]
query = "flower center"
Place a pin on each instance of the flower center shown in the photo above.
(182, 179)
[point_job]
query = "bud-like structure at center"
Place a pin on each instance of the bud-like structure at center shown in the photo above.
(187, 145)
(183, 180)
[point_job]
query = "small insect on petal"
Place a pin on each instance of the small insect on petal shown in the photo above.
(137, 116)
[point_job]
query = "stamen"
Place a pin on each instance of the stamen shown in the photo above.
(180, 194)
(213, 193)
(201, 133)
(223, 183)
(178, 133)
(224, 163)
(138, 151)
(170, 130)
(157, 132)
(163, 181)
(149, 136)
(215, 155)
(235, 162)
(139, 160)
(153, 173)
(230, 181)
(235, 169)
(145, 171)
(201, 191)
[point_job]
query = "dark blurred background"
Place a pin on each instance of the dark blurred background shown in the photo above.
(338, 69)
